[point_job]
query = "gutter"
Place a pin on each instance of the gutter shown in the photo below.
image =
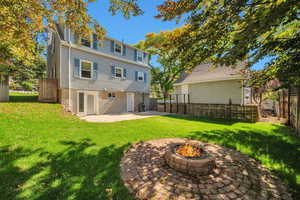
(103, 54)
(109, 38)
(205, 81)
(69, 63)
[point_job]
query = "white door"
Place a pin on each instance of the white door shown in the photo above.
(130, 102)
(90, 104)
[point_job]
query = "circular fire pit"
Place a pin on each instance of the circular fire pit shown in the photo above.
(188, 158)
(147, 175)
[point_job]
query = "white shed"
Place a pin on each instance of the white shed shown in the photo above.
(213, 85)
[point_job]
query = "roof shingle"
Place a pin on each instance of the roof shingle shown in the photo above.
(207, 73)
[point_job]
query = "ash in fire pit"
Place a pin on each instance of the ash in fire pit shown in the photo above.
(189, 158)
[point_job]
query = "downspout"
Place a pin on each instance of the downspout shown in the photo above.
(69, 59)
(289, 107)
(56, 31)
(243, 95)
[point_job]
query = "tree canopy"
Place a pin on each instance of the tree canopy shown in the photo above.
(222, 31)
(227, 32)
(22, 23)
(170, 69)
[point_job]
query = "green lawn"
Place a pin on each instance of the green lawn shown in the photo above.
(46, 153)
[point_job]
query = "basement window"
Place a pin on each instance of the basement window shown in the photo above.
(111, 95)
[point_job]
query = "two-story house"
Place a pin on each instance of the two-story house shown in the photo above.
(98, 77)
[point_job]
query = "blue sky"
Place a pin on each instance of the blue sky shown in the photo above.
(133, 30)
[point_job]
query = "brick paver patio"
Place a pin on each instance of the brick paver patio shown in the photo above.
(237, 176)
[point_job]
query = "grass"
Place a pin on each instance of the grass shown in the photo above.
(46, 153)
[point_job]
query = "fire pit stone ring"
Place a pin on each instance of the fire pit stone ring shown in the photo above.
(195, 166)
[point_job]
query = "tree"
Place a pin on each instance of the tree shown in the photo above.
(26, 78)
(170, 69)
(262, 88)
(24, 23)
(227, 32)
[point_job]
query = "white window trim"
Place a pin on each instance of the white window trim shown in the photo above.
(139, 52)
(92, 71)
(122, 73)
(85, 93)
(112, 98)
(121, 53)
(91, 42)
(143, 74)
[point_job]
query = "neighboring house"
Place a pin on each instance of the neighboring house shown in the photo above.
(207, 84)
(98, 77)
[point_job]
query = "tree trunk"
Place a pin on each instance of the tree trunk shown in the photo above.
(298, 111)
(259, 107)
(4, 89)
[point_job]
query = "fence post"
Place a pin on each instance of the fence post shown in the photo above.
(170, 103)
(298, 111)
(184, 106)
(165, 108)
(177, 103)
(4, 89)
(230, 103)
(289, 106)
(283, 104)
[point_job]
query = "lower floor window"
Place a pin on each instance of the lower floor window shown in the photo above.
(86, 69)
(119, 72)
(141, 76)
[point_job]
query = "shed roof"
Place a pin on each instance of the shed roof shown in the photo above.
(208, 73)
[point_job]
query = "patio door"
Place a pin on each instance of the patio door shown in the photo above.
(90, 104)
(87, 103)
(130, 102)
(81, 103)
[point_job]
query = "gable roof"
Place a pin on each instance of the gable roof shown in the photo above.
(60, 30)
(208, 73)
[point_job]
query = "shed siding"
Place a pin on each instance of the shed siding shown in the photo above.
(216, 92)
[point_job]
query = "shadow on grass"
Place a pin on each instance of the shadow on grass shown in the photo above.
(19, 97)
(78, 172)
(202, 119)
(280, 154)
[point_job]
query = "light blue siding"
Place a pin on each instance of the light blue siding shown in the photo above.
(104, 80)
(106, 46)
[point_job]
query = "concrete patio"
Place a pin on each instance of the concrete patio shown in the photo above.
(121, 116)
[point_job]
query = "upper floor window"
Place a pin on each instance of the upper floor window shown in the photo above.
(86, 42)
(86, 69)
(140, 56)
(118, 48)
